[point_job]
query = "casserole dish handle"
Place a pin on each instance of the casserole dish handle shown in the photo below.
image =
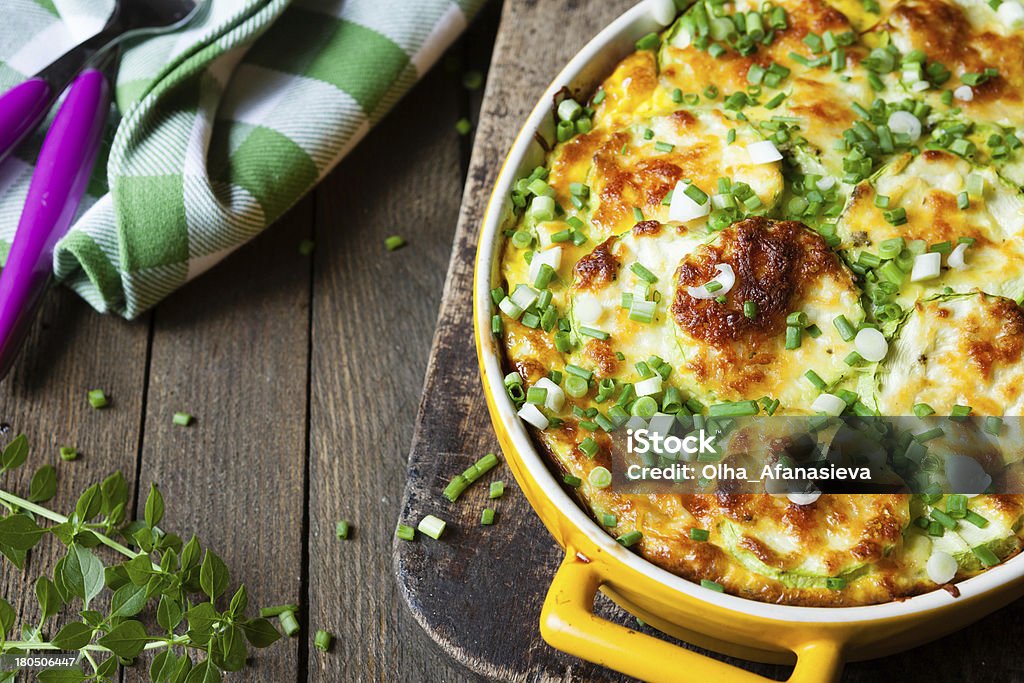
(568, 623)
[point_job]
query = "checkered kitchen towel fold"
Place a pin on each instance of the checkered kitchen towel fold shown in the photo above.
(225, 126)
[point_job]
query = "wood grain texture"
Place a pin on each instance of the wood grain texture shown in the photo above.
(237, 362)
(478, 593)
(373, 317)
(66, 355)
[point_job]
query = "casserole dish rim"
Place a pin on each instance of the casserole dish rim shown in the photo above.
(646, 16)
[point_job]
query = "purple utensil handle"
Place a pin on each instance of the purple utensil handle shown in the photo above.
(62, 173)
(21, 109)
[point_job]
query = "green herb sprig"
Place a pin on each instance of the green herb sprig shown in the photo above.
(183, 584)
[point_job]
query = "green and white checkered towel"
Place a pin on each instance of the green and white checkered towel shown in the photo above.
(225, 126)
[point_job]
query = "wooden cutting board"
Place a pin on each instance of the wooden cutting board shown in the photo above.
(478, 592)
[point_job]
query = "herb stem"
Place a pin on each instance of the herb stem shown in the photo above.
(61, 519)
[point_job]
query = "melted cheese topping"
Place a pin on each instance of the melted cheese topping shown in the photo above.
(799, 235)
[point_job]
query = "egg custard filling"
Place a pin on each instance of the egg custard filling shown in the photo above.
(798, 208)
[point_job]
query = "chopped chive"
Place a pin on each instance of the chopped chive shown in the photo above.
(289, 624)
(182, 419)
(571, 479)
(641, 272)
(696, 194)
(322, 640)
(845, 327)
(992, 425)
(589, 447)
(943, 519)
(956, 506)
(98, 399)
(923, 410)
(793, 337)
(929, 434)
(651, 41)
(394, 242)
(629, 538)
(699, 534)
(815, 379)
(959, 413)
(853, 359)
(985, 555)
(487, 517)
(342, 529)
(68, 453)
(432, 526)
(497, 489)
(664, 146)
(405, 532)
(609, 520)
(975, 519)
(813, 331)
(579, 372)
(733, 409)
(750, 309)
(797, 318)
(712, 585)
(277, 610)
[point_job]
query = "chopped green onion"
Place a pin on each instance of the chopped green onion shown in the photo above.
(844, 327)
(182, 419)
(487, 517)
(609, 520)
(699, 534)
(651, 41)
(432, 526)
(815, 379)
(630, 538)
(750, 309)
(712, 585)
(394, 242)
(985, 555)
(793, 337)
(289, 624)
(835, 583)
(943, 519)
(600, 477)
(98, 399)
(959, 412)
(992, 425)
(322, 640)
(497, 489)
(664, 146)
(342, 529)
(641, 272)
(733, 409)
(923, 410)
(975, 519)
(405, 532)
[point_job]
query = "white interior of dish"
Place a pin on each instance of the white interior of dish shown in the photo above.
(582, 74)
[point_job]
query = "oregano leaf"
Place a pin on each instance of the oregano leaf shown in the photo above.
(203, 672)
(14, 453)
(43, 486)
(239, 601)
(154, 506)
(126, 640)
(89, 503)
(49, 598)
(168, 613)
(128, 601)
(7, 615)
(82, 573)
(213, 575)
(260, 632)
(19, 532)
(74, 636)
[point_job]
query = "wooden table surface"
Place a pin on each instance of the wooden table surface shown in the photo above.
(304, 375)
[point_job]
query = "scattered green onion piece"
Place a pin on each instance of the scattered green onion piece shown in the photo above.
(712, 585)
(487, 517)
(630, 538)
(394, 242)
(322, 640)
(923, 410)
(289, 624)
(342, 529)
(68, 453)
(98, 399)
(793, 337)
(432, 526)
(985, 555)
(699, 534)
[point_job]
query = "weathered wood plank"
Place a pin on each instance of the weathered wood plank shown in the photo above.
(373, 317)
(70, 351)
(231, 349)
